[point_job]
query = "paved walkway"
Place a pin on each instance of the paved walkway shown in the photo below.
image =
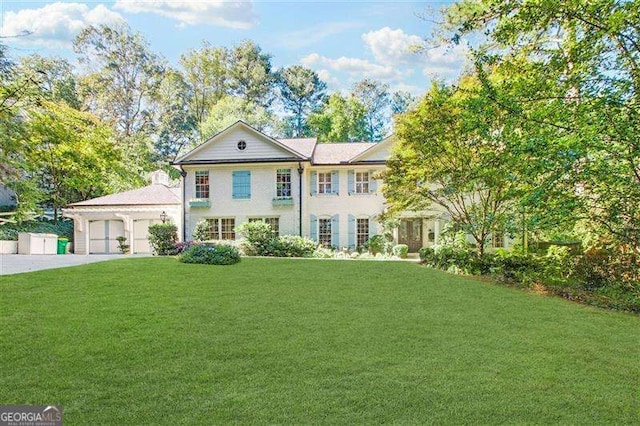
(17, 263)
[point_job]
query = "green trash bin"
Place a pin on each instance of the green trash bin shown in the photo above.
(62, 245)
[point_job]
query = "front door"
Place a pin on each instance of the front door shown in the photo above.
(410, 233)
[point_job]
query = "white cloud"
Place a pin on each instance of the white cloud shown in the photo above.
(325, 75)
(56, 24)
(231, 14)
(314, 34)
(352, 66)
(392, 46)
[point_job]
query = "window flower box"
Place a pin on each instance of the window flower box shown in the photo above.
(200, 202)
(282, 201)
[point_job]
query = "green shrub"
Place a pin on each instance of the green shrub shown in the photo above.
(201, 230)
(426, 254)
(400, 250)
(162, 238)
(323, 253)
(290, 246)
(258, 237)
(378, 244)
(222, 254)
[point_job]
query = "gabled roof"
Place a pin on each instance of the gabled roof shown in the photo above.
(363, 156)
(304, 146)
(295, 154)
(149, 195)
(338, 153)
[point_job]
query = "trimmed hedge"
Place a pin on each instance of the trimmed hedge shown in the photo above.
(222, 254)
(162, 238)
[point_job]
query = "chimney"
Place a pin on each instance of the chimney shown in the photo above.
(159, 177)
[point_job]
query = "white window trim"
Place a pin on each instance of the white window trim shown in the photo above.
(322, 194)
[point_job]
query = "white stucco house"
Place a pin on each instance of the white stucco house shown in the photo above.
(325, 191)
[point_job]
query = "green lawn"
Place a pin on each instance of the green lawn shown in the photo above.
(306, 341)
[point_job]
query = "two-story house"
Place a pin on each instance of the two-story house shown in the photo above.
(325, 191)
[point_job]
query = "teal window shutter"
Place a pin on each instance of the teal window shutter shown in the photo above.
(335, 182)
(314, 227)
(352, 231)
(314, 183)
(241, 185)
(351, 180)
(373, 184)
(335, 230)
(373, 227)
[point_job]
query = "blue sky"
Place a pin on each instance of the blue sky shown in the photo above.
(342, 41)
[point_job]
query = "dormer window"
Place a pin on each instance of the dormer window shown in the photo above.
(242, 145)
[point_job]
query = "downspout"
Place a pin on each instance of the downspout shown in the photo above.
(300, 171)
(184, 209)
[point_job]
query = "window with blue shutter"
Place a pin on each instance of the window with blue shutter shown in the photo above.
(241, 185)
(373, 184)
(335, 182)
(335, 230)
(351, 182)
(314, 183)
(352, 231)
(314, 227)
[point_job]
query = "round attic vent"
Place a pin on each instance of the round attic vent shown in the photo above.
(242, 145)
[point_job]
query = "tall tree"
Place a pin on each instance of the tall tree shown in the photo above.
(206, 70)
(451, 153)
(401, 101)
(301, 92)
(572, 73)
(374, 95)
(176, 126)
(230, 109)
(124, 75)
(251, 75)
(72, 156)
(341, 119)
(53, 77)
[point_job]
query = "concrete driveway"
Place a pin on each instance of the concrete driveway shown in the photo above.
(17, 263)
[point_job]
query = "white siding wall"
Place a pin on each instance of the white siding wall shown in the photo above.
(226, 147)
(263, 190)
(359, 205)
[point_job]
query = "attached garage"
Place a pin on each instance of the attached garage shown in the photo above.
(100, 221)
(103, 236)
(141, 234)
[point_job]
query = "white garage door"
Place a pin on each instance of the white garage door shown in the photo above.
(103, 234)
(141, 234)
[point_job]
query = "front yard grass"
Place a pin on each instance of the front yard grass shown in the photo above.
(145, 341)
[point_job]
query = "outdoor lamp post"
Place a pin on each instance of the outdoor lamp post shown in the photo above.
(163, 217)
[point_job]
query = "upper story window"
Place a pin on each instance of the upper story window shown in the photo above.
(202, 184)
(241, 185)
(283, 183)
(362, 182)
(324, 183)
(242, 145)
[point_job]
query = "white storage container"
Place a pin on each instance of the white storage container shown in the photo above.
(33, 243)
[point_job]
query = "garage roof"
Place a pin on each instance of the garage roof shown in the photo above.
(156, 194)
